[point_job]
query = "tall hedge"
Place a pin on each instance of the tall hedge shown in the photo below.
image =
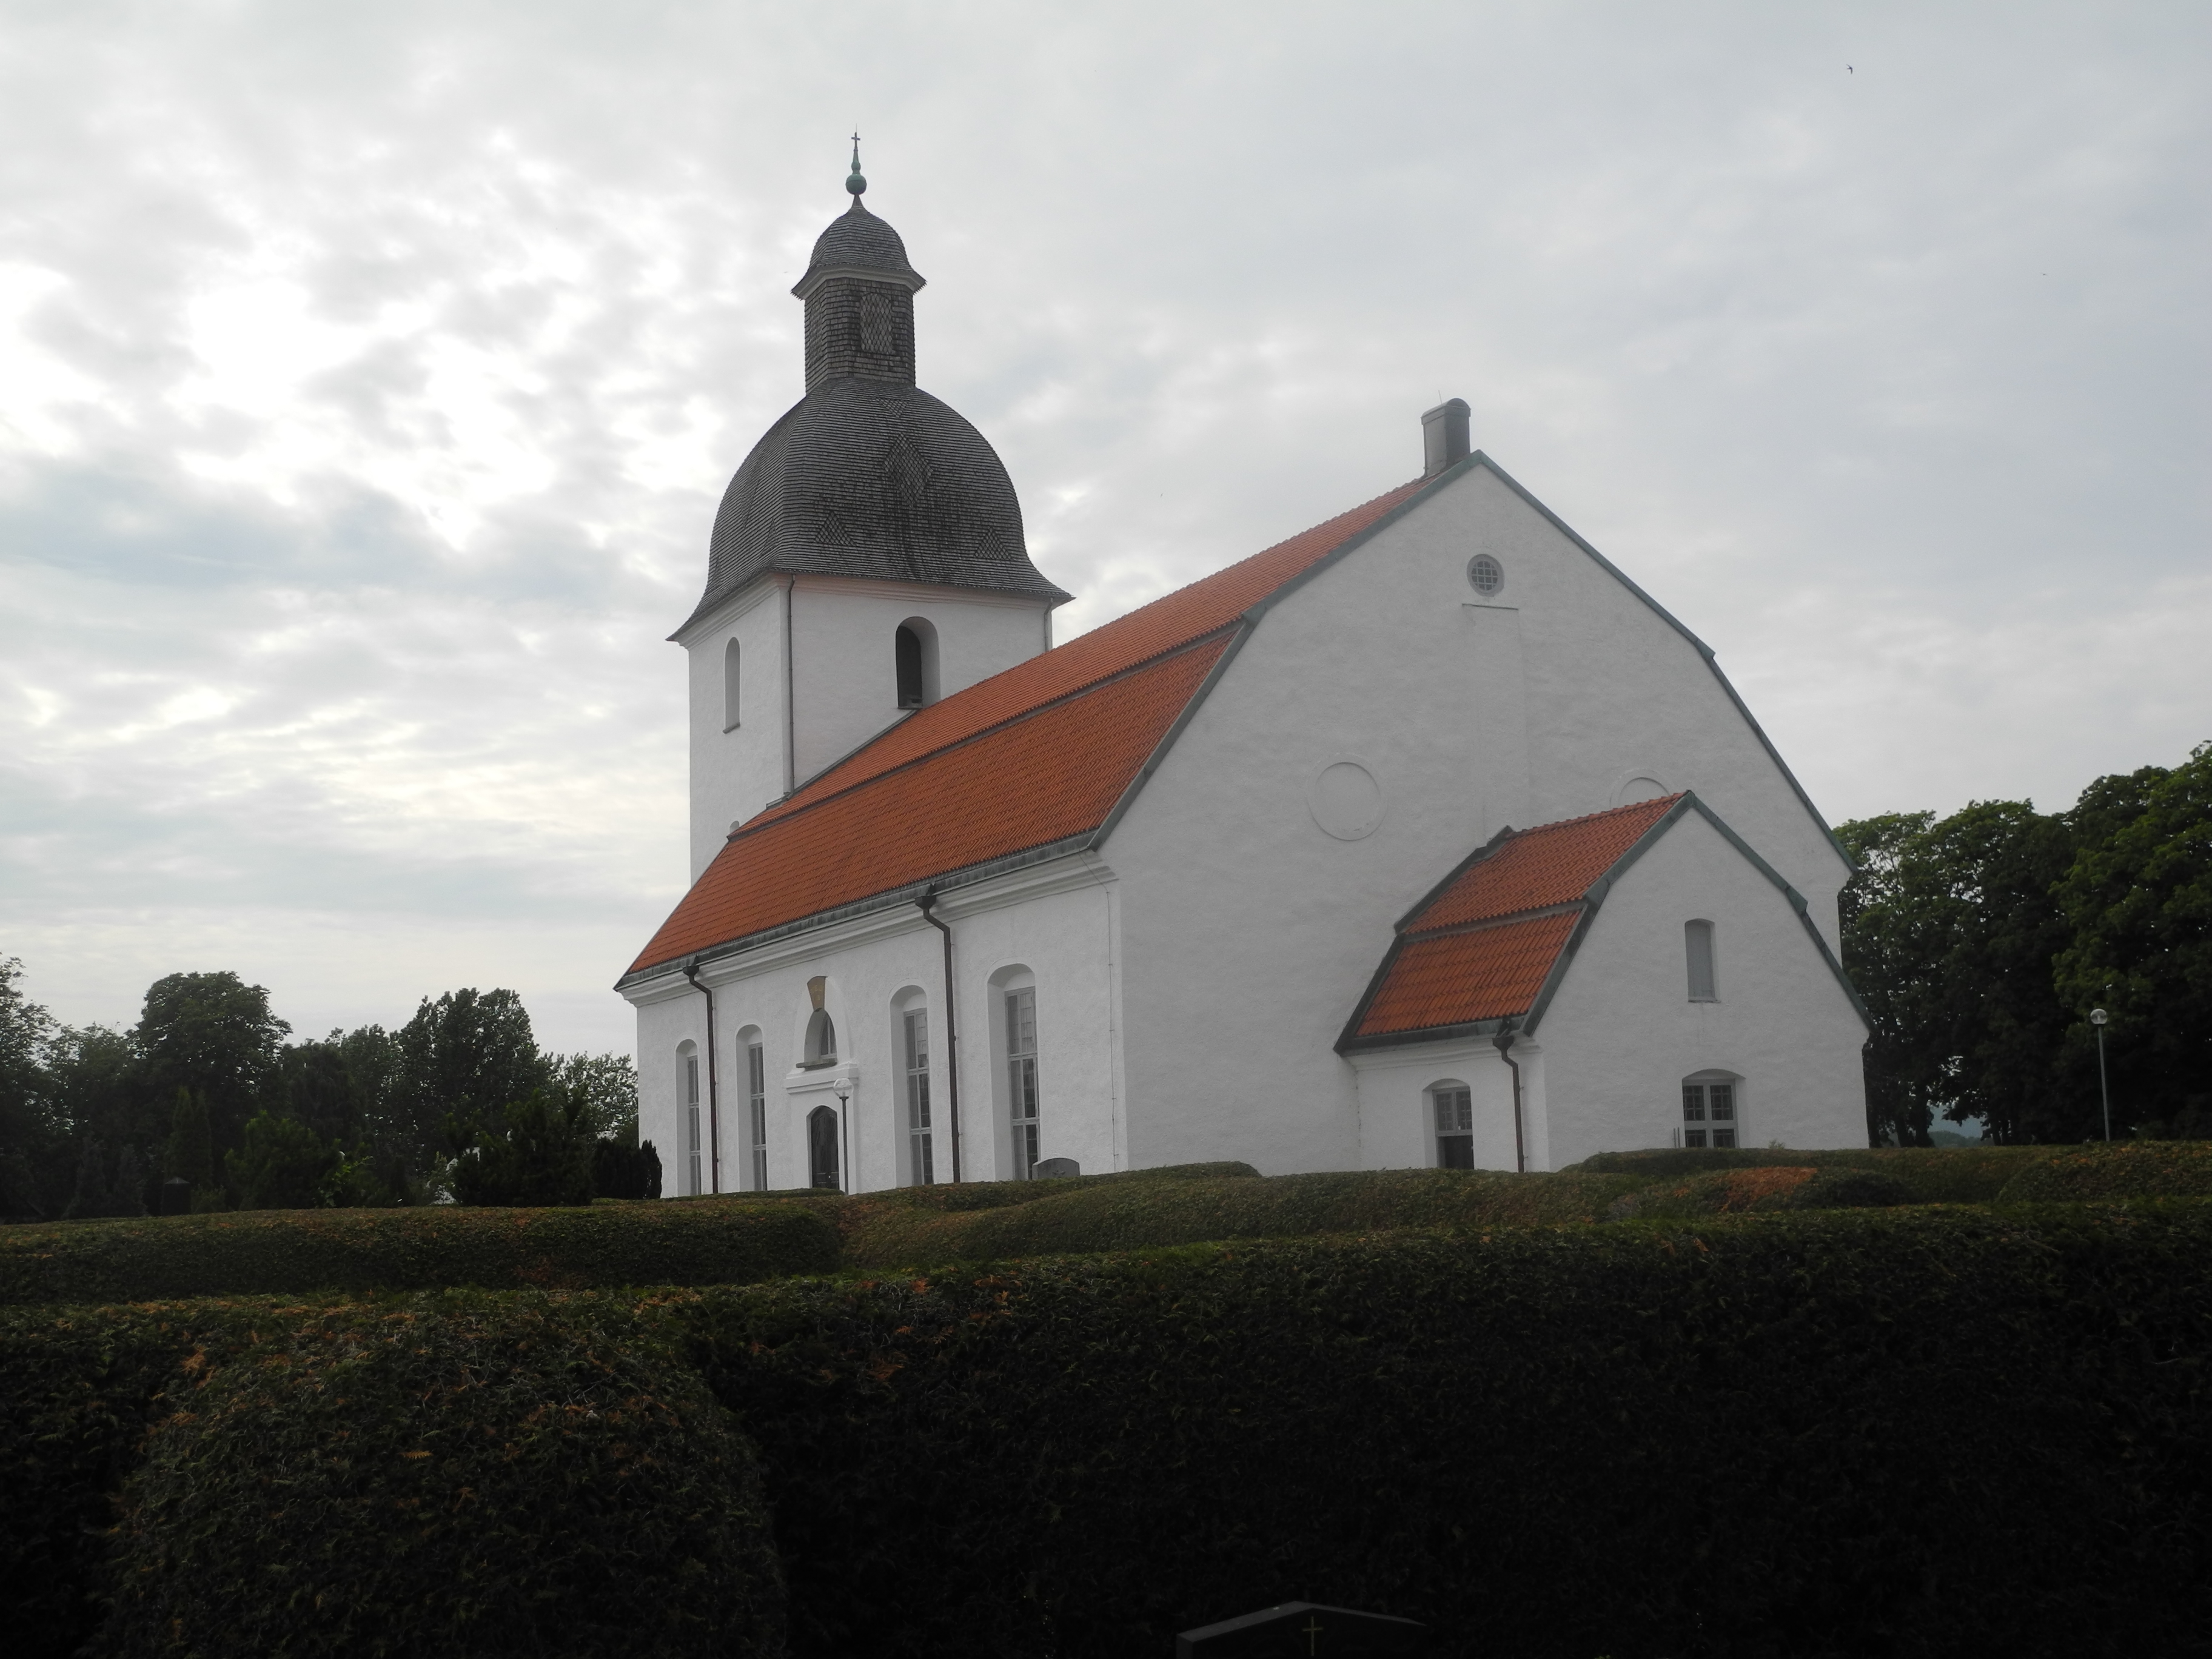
(1932, 1174)
(277, 1252)
(458, 1475)
(2143, 1169)
(1909, 1433)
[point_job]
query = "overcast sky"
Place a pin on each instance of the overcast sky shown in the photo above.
(369, 375)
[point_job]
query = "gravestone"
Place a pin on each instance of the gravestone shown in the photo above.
(1052, 1169)
(1303, 1630)
(176, 1196)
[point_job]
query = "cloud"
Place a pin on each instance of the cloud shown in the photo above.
(368, 376)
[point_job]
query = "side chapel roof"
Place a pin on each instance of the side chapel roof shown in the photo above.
(1032, 761)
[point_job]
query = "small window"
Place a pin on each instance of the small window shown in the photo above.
(757, 1113)
(1697, 945)
(1022, 1078)
(913, 655)
(692, 1172)
(920, 1164)
(1485, 575)
(822, 1149)
(821, 1039)
(1454, 1106)
(730, 686)
(1709, 1116)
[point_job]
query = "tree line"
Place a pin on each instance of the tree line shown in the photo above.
(206, 1089)
(1981, 942)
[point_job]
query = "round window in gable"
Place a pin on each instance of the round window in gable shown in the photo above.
(1485, 575)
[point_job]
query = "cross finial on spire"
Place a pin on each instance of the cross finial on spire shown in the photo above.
(854, 181)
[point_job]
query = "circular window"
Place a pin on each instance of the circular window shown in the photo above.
(1485, 575)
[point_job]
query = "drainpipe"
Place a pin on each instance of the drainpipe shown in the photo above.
(927, 904)
(1504, 1044)
(714, 1089)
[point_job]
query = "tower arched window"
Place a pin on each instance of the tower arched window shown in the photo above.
(730, 686)
(1697, 948)
(914, 657)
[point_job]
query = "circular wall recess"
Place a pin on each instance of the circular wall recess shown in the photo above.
(1642, 786)
(1345, 800)
(1485, 575)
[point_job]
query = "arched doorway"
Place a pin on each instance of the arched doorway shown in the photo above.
(821, 1148)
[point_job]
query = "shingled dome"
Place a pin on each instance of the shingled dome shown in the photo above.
(858, 240)
(868, 475)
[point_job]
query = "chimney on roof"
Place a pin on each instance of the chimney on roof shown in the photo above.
(1443, 437)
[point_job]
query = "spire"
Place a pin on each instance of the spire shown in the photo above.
(856, 182)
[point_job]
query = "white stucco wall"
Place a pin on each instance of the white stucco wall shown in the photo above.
(1055, 923)
(1250, 931)
(1397, 1125)
(843, 675)
(1622, 1033)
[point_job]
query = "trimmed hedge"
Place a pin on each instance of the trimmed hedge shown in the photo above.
(1916, 1432)
(285, 1252)
(1933, 1175)
(1734, 1192)
(2139, 1168)
(1188, 1212)
(457, 1474)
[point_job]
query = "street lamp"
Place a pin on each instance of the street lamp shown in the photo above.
(845, 1137)
(2097, 1018)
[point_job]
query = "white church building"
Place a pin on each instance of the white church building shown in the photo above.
(1425, 837)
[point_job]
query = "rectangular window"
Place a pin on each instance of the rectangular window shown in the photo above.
(1022, 1078)
(1708, 1114)
(1455, 1129)
(1698, 943)
(757, 1102)
(691, 1187)
(922, 1168)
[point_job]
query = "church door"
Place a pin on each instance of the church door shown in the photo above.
(822, 1147)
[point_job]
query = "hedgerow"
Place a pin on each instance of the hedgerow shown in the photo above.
(1932, 1174)
(281, 1252)
(1193, 1211)
(2143, 1169)
(1773, 1186)
(1914, 1432)
(462, 1474)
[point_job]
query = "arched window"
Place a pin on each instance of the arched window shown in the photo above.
(1712, 1110)
(821, 1148)
(748, 1044)
(688, 1127)
(913, 655)
(1697, 947)
(1451, 1108)
(730, 686)
(1022, 1078)
(821, 1039)
(914, 1055)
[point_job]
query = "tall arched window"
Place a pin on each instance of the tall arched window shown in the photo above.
(913, 655)
(821, 1148)
(821, 1039)
(730, 686)
(1697, 947)
(913, 1052)
(688, 1128)
(1451, 1105)
(748, 1044)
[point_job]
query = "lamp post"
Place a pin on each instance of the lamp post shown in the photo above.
(2097, 1018)
(845, 1143)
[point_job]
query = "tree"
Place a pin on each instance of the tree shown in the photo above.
(189, 1154)
(32, 1133)
(539, 1152)
(214, 1035)
(460, 1060)
(2138, 902)
(605, 1086)
(283, 1165)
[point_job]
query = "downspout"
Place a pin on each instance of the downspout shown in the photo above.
(1504, 1044)
(713, 1088)
(927, 904)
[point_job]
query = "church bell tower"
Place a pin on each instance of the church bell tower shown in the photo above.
(867, 558)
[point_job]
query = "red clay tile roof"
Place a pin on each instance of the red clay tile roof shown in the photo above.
(1474, 951)
(1034, 756)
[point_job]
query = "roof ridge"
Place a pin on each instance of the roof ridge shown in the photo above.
(798, 809)
(1504, 919)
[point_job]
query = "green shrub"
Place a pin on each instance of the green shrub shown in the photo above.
(1774, 1187)
(1933, 1175)
(620, 1169)
(1916, 1432)
(1126, 1216)
(537, 1153)
(289, 1251)
(2141, 1169)
(458, 1475)
(284, 1165)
